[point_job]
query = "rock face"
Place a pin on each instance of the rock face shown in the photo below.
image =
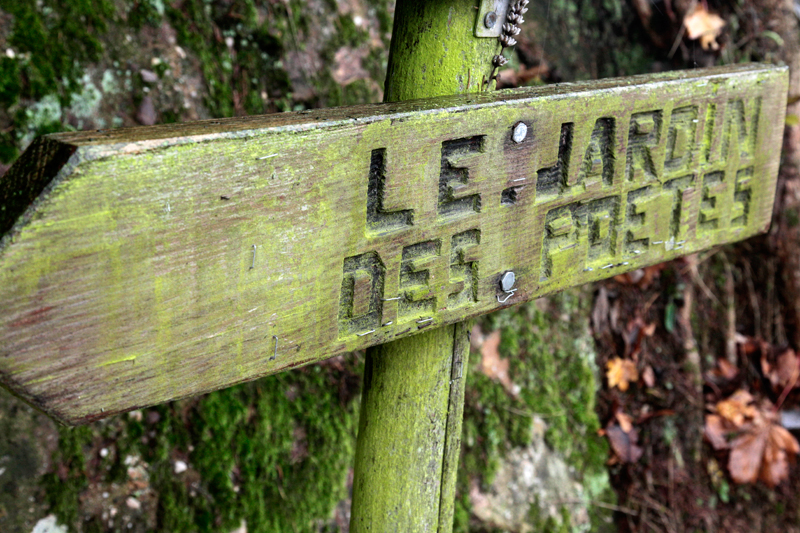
(532, 484)
(49, 524)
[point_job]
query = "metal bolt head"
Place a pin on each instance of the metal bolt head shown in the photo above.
(519, 132)
(507, 281)
(490, 20)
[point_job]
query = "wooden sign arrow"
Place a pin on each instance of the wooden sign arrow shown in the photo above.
(143, 265)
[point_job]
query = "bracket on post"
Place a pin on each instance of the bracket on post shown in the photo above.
(491, 15)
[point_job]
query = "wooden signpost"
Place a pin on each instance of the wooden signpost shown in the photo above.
(143, 265)
(157, 263)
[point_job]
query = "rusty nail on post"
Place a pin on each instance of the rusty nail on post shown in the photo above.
(490, 20)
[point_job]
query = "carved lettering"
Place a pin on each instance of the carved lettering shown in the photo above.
(735, 138)
(418, 294)
(683, 193)
(713, 204)
(360, 303)
(457, 194)
(379, 220)
(687, 181)
(741, 197)
(552, 180)
(581, 234)
(647, 217)
(509, 196)
(681, 146)
(643, 138)
(740, 127)
(596, 169)
(560, 246)
(464, 269)
(601, 223)
(658, 215)
(598, 162)
(708, 131)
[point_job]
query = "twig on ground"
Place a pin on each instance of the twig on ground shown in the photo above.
(772, 304)
(692, 264)
(681, 32)
(595, 503)
(730, 337)
(751, 289)
(522, 412)
(685, 321)
(693, 367)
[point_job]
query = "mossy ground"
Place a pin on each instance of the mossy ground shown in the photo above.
(274, 453)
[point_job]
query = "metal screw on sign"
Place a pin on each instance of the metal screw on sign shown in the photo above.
(519, 132)
(507, 282)
(490, 19)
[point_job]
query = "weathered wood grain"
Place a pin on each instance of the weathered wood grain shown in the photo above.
(157, 263)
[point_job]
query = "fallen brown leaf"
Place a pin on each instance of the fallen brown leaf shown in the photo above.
(704, 25)
(625, 421)
(763, 451)
(737, 408)
(494, 366)
(763, 448)
(781, 448)
(785, 372)
(620, 373)
(623, 443)
(649, 377)
(641, 277)
(747, 451)
(715, 430)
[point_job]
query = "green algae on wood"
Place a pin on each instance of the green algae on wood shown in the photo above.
(183, 251)
(398, 478)
(436, 52)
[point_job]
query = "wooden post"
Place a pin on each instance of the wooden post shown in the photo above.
(410, 427)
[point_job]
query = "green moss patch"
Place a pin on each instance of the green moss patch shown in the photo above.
(552, 362)
(274, 453)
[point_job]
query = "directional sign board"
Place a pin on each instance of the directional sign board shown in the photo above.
(143, 265)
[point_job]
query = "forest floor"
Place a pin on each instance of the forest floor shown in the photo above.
(678, 396)
(701, 372)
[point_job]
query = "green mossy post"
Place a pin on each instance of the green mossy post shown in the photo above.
(410, 426)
